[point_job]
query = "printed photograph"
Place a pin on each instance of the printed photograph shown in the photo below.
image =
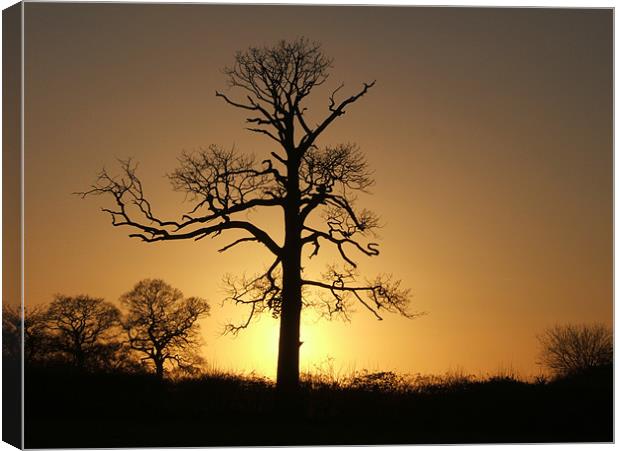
(253, 225)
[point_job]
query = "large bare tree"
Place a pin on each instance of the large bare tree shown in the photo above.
(162, 326)
(314, 188)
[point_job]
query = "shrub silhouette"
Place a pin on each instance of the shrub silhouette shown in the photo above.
(569, 350)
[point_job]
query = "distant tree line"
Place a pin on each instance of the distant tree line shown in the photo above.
(156, 331)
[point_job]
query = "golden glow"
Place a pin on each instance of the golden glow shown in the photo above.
(489, 131)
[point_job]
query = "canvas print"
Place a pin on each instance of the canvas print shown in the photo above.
(250, 225)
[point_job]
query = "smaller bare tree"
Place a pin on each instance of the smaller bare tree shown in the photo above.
(82, 327)
(162, 325)
(116, 356)
(36, 337)
(572, 349)
(11, 332)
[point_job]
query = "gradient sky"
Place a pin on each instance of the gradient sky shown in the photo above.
(489, 130)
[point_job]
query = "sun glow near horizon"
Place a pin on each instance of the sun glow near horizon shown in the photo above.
(257, 347)
(496, 190)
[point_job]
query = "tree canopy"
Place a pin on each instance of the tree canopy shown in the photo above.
(162, 325)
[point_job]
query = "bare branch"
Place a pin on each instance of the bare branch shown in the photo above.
(261, 292)
(382, 293)
(251, 107)
(329, 176)
(264, 132)
(279, 77)
(220, 181)
(240, 240)
(370, 249)
(336, 111)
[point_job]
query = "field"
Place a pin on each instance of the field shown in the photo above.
(68, 409)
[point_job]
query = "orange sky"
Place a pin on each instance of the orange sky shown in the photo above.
(490, 133)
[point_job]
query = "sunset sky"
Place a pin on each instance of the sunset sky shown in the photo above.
(489, 132)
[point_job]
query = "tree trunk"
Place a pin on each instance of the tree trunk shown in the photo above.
(79, 359)
(288, 346)
(159, 369)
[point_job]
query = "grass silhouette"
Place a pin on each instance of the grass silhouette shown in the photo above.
(65, 408)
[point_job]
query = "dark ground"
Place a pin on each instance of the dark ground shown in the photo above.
(65, 409)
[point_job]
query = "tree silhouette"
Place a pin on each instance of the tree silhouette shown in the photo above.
(571, 349)
(11, 332)
(37, 339)
(313, 187)
(82, 327)
(162, 325)
(36, 336)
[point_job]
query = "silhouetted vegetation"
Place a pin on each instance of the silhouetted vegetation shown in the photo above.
(11, 332)
(217, 409)
(37, 340)
(101, 376)
(315, 188)
(82, 329)
(69, 405)
(161, 325)
(159, 329)
(573, 349)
